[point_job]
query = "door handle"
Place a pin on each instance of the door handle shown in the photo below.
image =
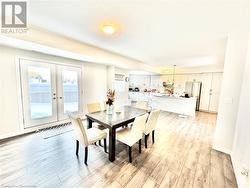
(60, 97)
(54, 96)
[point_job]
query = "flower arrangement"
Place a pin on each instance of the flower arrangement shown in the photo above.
(168, 88)
(110, 97)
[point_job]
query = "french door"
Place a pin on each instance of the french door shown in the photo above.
(49, 91)
(69, 90)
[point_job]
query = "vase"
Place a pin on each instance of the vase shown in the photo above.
(109, 110)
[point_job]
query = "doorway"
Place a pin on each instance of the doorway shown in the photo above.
(49, 91)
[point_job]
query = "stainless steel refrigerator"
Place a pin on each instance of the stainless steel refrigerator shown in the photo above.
(193, 89)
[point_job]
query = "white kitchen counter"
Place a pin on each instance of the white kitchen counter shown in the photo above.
(179, 105)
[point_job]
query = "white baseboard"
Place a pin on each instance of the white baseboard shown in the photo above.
(236, 165)
(12, 134)
(30, 129)
(222, 149)
(236, 170)
(35, 128)
(242, 181)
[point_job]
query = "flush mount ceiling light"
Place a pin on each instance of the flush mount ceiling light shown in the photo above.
(108, 29)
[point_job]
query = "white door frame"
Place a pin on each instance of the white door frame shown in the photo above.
(20, 92)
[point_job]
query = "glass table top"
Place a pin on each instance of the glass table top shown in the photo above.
(124, 114)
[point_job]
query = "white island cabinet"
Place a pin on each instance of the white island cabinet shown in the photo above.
(179, 105)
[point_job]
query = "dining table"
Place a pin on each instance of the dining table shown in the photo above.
(119, 118)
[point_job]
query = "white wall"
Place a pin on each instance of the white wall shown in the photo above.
(241, 148)
(94, 83)
(231, 86)
(110, 77)
(122, 96)
(94, 86)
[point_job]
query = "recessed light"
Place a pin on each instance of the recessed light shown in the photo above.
(108, 29)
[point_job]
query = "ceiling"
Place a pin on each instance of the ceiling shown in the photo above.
(157, 32)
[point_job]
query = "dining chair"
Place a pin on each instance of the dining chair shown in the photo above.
(141, 105)
(86, 136)
(150, 125)
(130, 136)
(94, 107)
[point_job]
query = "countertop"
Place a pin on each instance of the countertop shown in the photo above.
(162, 95)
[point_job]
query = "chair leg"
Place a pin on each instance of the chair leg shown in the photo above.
(105, 145)
(153, 136)
(140, 146)
(146, 142)
(77, 147)
(86, 155)
(130, 154)
(100, 143)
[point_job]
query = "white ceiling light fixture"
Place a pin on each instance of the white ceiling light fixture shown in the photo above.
(108, 29)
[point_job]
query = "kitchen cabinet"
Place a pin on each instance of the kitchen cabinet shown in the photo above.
(136, 80)
(179, 105)
(179, 84)
(139, 96)
(166, 78)
(132, 96)
(140, 81)
(190, 77)
(205, 91)
(215, 92)
(210, 92)
(210, 89)
(155, 82)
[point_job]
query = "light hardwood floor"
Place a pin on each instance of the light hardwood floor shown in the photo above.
(181, 157)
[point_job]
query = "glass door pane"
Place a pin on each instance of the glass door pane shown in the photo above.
(38, 92)
(69, 90)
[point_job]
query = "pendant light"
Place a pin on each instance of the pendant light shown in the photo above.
(174, 73)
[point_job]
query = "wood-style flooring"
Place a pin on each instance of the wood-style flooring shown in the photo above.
(181, 157)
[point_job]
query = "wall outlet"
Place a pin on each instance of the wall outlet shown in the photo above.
(245, 172)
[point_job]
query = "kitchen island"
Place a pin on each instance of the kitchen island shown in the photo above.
(179, 105)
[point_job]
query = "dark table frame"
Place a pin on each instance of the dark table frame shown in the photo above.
(112, 132)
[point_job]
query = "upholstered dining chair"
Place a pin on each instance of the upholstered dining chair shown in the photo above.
(150, 125)
(130, 136)
(141, 105)
(86, 136)
(95, 107)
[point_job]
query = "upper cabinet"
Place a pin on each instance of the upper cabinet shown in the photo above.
(179, 83)
(155, 82)
(141, 81)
